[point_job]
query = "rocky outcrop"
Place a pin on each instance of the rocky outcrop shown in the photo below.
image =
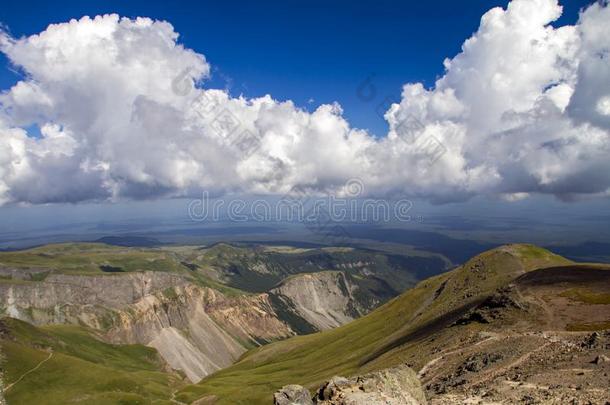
(292, 395)
(325, 300)
(394, 386)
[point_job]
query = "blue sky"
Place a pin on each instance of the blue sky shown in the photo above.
(95, 154)
(311, 52)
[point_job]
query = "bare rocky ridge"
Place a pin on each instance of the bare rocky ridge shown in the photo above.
(395, 386)
(531, 342)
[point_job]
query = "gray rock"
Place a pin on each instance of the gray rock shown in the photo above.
(292, 395)
(592, 341)
(394, 386)
(332, 387)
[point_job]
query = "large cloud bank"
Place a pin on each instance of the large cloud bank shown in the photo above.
(123, 113)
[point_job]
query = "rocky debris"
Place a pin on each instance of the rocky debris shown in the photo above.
(592, 341)
(440, 289)
(470, 366)
(333, 388)
(548, 367)
(394, 386)
(292, 395)
(492, 308)
(476, 265)
(444, 383)
(597, 340)
(477, 362)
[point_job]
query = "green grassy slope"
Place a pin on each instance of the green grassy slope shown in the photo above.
(374, 341)
(58, 364)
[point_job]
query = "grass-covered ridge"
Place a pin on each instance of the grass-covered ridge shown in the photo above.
(375, 341)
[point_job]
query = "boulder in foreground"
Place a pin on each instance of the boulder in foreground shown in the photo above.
(394, 386)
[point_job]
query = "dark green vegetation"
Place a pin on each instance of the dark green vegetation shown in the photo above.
(384, 338)
(259, 268)
(57, 364)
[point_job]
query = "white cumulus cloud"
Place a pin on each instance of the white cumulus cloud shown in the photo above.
(124, 112)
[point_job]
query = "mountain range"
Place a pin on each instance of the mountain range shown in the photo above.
(233, 324)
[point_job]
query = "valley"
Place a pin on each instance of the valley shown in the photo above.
(201, 308)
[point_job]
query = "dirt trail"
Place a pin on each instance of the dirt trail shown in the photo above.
(424, 370)
(174, 400)
(8, 387)
(501, 370)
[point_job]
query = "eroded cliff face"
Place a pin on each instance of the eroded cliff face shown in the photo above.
(325, 299)
(250, 318)
(195, 329)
